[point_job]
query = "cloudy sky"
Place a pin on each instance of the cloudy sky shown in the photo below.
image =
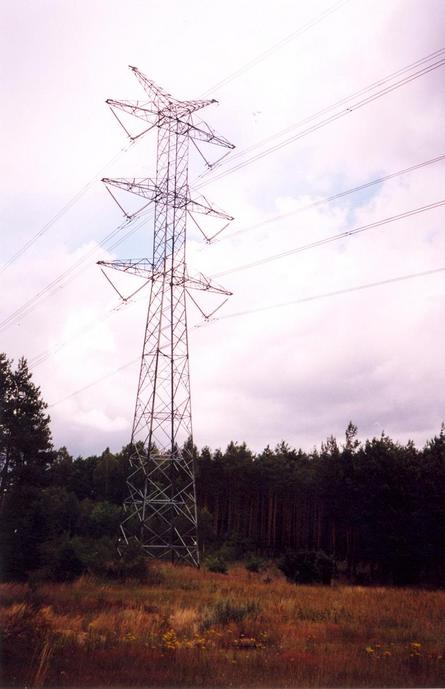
(321, 83)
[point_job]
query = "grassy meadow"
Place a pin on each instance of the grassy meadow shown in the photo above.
(194, 628)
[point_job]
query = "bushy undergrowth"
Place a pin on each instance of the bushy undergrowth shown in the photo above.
(255, 564)
(195, 628)
(67, 558)
(228, 610)
(307, 567)
(216, 563)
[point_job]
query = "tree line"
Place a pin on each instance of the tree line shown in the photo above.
(377, 508)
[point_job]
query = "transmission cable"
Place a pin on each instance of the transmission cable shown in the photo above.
(324, 295)
(95, 382)
(72, 202)
(332, 238)
(69, 274)
(327, 199)
(309, 130)
(276, 46)
(43, 356)
(39, 359)
(4, 323)
(370, 87)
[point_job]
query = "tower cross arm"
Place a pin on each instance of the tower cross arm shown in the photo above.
(146, 188)
(141, 267)
(202, 207)
(204, 284)
(206, 133)
(141, 187)
(171, 117)
(165, 101)
(144, 111)
(148, 112)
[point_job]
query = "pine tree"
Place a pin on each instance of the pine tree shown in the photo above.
(25, 436)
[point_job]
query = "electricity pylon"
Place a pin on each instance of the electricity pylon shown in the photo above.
(160, 511)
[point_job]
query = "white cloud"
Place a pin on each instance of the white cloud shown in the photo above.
(296, 373)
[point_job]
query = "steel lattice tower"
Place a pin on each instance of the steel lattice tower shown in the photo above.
(160, 511)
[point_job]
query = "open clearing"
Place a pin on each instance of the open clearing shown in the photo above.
(189, 627)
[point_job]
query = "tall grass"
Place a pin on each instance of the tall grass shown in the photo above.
(195, 628)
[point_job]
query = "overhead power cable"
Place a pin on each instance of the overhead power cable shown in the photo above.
(43, 356)
(39, 359)
(72, 202)
(276, 46)
(70, 273)
(95, 382)
(210, 177)
(324, 295)
(82, 191)
(332, 238)
(342, 235)
(29, 305)
(342, 101)
(329, 199)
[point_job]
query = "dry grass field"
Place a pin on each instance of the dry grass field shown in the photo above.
(194, 628)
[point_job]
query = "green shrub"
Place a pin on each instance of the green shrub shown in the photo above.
(226, 611)
(129, 563)
(255, 564)
(94, 553)
(236, 547)
(307, 567)
(104, 519)
(65, 559)
(61, 560)
(215, 563)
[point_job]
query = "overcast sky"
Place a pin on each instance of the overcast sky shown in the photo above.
(299, 372)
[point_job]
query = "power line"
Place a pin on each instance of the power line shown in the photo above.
(362, 91)
(276, 46)
(95, 382)
(411, 77)
(332, 118)
(72, 202)
(43, 356)
(324, 295)
(70, 273)
(30, 302)
(332, 238)
(82, 191)
(328, 199)
(87, 186)
(29, 305)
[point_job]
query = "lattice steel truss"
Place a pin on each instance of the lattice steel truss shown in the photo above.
(160, 511)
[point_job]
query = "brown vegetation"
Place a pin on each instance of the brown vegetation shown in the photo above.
(194, 628)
